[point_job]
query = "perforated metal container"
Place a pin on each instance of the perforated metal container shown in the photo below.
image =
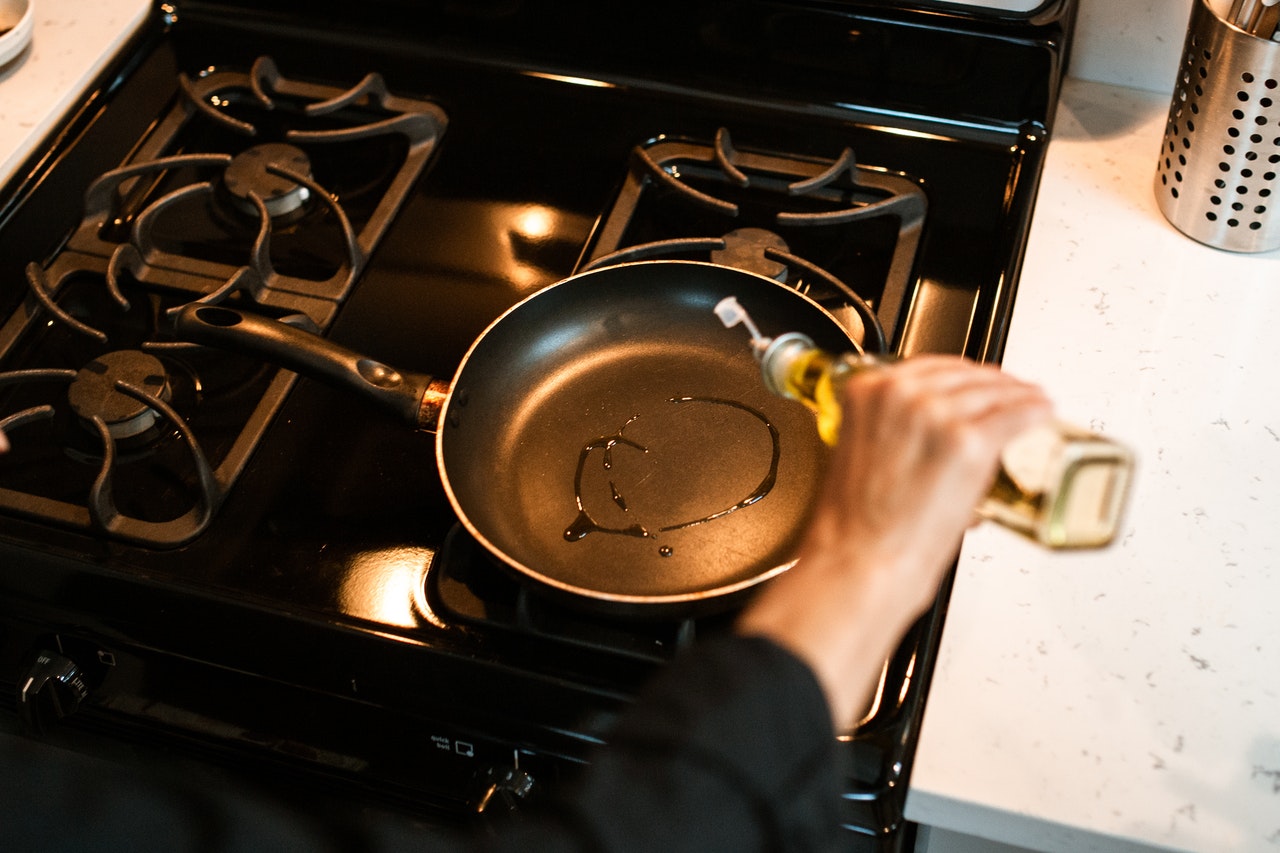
(1218, 179)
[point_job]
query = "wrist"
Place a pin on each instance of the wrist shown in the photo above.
(841, 620)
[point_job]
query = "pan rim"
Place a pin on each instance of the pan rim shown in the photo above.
(726, 591)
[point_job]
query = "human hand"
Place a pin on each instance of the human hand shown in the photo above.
(918, 449)
(4, 442)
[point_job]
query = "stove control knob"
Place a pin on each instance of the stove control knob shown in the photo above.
(53, 689)
(505, 787)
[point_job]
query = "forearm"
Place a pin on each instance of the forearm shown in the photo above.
(918, 449)
(842, 623)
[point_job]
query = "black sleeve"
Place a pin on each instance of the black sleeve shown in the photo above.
(734, 743)
(729, 748)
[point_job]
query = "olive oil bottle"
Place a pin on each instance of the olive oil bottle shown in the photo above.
(1059, 485)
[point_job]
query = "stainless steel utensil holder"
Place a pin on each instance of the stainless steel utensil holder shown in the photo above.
(1218, 179)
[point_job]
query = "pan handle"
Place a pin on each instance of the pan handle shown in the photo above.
(415, 398)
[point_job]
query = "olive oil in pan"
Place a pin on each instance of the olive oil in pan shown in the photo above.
(766, 484)
(584, 523)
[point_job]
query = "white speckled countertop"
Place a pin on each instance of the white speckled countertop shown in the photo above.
(70, 44)
(1129, 699)
(1115, 700)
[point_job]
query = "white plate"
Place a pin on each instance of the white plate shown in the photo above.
(17, 19)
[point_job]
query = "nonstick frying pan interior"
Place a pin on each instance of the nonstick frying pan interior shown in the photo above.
(611, 440)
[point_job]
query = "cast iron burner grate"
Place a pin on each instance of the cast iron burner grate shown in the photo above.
(237, 190)
(253, 188)
(845, 234)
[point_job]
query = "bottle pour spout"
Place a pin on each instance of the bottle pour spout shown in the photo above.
(731, 313)
(777, 356)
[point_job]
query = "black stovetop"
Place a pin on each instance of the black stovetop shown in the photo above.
(326, 613)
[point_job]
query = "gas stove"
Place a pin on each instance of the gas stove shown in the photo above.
(200, 549)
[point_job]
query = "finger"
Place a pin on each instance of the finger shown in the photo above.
(942, 375)
(939, 394)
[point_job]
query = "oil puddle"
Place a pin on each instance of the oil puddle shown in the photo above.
(585, 524)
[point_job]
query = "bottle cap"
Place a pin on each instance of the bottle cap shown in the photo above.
(779, 355)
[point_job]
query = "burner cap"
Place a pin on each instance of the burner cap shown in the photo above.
(93, 391)
(744, 248)
(248, 173)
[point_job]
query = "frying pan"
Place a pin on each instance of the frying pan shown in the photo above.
(606, 437)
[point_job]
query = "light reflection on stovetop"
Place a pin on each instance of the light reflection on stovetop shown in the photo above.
(467, 586)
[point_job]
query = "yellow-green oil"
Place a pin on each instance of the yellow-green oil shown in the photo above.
(814, 378)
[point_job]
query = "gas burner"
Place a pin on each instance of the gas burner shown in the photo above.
(95, 392)
(119, 396)
(814, 224)
(267, 171)
(159, 218)
(118, 428)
